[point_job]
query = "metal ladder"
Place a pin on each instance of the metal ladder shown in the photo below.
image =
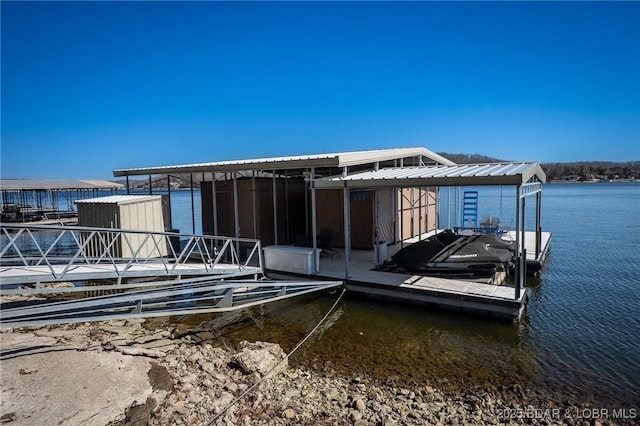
(470, 209)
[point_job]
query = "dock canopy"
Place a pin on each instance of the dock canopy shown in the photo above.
(329, 160)
(453, 175)
(56, 184)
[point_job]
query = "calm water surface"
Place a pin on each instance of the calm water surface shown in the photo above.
(580, 339)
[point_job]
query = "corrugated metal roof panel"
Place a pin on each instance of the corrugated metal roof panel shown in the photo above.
(463, 174)
(118, 199)
(337, 159)
(55, 184)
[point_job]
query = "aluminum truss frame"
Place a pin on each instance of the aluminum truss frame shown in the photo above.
(182, 298)
(71, 253)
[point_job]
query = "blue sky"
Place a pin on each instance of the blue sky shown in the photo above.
(90, 87)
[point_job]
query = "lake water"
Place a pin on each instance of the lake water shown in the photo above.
(579, 340)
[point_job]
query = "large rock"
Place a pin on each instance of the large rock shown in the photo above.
(260, 357)
(45, 382)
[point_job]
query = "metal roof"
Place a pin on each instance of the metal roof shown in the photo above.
(119, 199)
(338, 159)
(55, 184)
(458, 175)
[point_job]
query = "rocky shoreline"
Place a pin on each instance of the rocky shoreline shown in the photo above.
(192, 383)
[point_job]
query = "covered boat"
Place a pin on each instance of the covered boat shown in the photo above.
(449, 253)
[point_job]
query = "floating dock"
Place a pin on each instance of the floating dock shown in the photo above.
(306, 205)
(490, 297)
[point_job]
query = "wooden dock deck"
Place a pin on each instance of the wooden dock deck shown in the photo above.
(484, 298)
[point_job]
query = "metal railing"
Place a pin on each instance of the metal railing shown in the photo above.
(60, 251)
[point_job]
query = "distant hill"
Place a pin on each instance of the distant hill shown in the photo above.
(575, 171)
(469, 158)
(592, 171)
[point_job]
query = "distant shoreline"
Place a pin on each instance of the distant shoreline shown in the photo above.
(595, 181)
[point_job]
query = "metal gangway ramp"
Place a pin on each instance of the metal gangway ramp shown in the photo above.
(34, 254)
(145, 274)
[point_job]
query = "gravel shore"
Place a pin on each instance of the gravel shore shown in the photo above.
(189, 383)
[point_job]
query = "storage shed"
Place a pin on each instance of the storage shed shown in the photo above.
(131, 212)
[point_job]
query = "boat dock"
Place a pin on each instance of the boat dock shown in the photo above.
(491, 297)
(304, 208)
(47, 201)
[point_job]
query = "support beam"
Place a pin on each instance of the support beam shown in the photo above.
(215, 203)
(412, 205)
(236, 215)
(376, 227)
(523, 268)
(275, 209)
(286, 207)
(170, 219)
(538, 225)
(314, 230)
(448, 207)
(420, 216)
(193, 209)
(347, 231)
(253, 203)
(518, 253)
(401, 218)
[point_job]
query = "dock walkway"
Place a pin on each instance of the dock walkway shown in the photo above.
(31, 255)
(487, 297)
(20, 274)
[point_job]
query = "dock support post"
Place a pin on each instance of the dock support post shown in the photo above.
(150, 186)
(128, 187)
(169, 198)
(412, 206)
(193, 209)
(401, 217)
(538, 226)
(347, 231)
(236, 216)
(314, 232)
(448, 207)
(275, 209)
(523, 269)
(253, 203)
(420, 217)
(286, 207)
(215, 203)
(517, 276)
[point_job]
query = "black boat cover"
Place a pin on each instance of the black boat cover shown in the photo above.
(446, 250)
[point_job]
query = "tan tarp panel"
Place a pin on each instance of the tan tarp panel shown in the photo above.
(393, 224)
(330, 215)
(386, 214)
(289, 210)
(416, 212)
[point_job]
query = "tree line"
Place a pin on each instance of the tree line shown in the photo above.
(578, 171)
